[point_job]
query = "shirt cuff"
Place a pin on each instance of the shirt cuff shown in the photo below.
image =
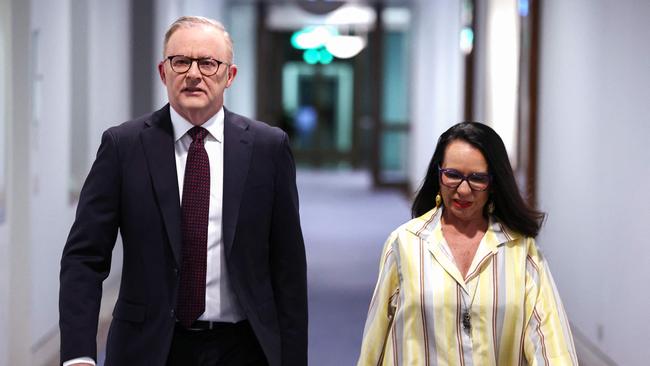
(80, 360)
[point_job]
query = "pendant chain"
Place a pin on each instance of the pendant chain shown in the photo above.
(467, 316)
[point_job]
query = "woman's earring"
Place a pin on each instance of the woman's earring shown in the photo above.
(438, 200)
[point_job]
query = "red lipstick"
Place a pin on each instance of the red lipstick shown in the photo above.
(462, 204)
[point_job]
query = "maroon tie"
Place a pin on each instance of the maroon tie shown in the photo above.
(195, 207)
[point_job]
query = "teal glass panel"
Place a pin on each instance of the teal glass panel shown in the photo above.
(394, 155)
(396, 75)
(318, 99)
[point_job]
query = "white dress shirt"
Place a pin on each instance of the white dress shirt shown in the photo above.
(220, 302)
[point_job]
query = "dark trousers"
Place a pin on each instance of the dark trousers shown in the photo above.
(226, 345)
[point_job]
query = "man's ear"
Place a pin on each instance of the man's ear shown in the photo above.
(161, 72)
(232, 72)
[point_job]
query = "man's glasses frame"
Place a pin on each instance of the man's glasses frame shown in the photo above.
(477, 181)
(208, 66)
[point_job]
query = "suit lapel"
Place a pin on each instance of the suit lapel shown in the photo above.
(158, 143)
(238, 146)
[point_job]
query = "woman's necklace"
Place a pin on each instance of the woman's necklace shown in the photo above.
(466, 317)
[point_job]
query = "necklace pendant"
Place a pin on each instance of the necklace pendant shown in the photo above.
(467, 321)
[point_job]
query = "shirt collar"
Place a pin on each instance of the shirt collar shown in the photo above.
(214, 125)
(427, 227)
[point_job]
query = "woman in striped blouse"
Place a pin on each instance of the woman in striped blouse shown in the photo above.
(463, 283)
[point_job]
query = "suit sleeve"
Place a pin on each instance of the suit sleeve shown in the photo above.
(376, 331)
(547, 338)
(86, 258)
(288, 262)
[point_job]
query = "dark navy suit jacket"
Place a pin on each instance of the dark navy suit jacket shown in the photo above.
(132, 187)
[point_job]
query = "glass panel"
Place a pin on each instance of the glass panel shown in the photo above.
(395, 99)
(317, 102)
(314, 118)
(393, 156)
(396, 71)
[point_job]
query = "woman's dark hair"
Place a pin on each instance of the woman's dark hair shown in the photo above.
(509, 207)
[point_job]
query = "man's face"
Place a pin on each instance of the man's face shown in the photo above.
(193, 95)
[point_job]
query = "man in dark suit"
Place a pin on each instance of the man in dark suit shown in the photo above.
(205, 200)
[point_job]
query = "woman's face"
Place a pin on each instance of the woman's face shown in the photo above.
(462, 202)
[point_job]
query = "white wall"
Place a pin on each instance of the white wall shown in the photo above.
(38, 176)
(242, 25)
(594, 167)
(5, 272)
(109, 72)
(16, 264)
(109, 84)
(436, 80)
(50, 210)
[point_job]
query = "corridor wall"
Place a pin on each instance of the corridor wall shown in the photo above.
(50, 211)
(50, 75)
(594, 127)
(5, 114)
(436, 80)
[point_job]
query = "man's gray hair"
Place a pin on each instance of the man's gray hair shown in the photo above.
(188, 21)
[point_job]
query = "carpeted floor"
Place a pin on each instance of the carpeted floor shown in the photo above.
(345, 224)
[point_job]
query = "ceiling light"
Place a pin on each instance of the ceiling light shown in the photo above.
(345, 46)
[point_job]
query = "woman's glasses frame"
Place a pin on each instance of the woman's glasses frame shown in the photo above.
(452, 178)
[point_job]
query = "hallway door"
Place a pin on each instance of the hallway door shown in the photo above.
(318, 105)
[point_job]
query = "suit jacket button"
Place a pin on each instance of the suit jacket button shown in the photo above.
(176, 271)
(172, 313)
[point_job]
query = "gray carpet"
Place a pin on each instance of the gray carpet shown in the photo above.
(345, 224)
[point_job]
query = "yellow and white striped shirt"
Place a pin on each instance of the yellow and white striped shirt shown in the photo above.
(517, 317)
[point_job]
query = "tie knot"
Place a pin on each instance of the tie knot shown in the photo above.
(197, 133)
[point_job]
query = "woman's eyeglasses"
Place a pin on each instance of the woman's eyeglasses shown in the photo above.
(452, 178)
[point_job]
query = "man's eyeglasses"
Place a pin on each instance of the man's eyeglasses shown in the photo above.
(207, 65)
(452, 178)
